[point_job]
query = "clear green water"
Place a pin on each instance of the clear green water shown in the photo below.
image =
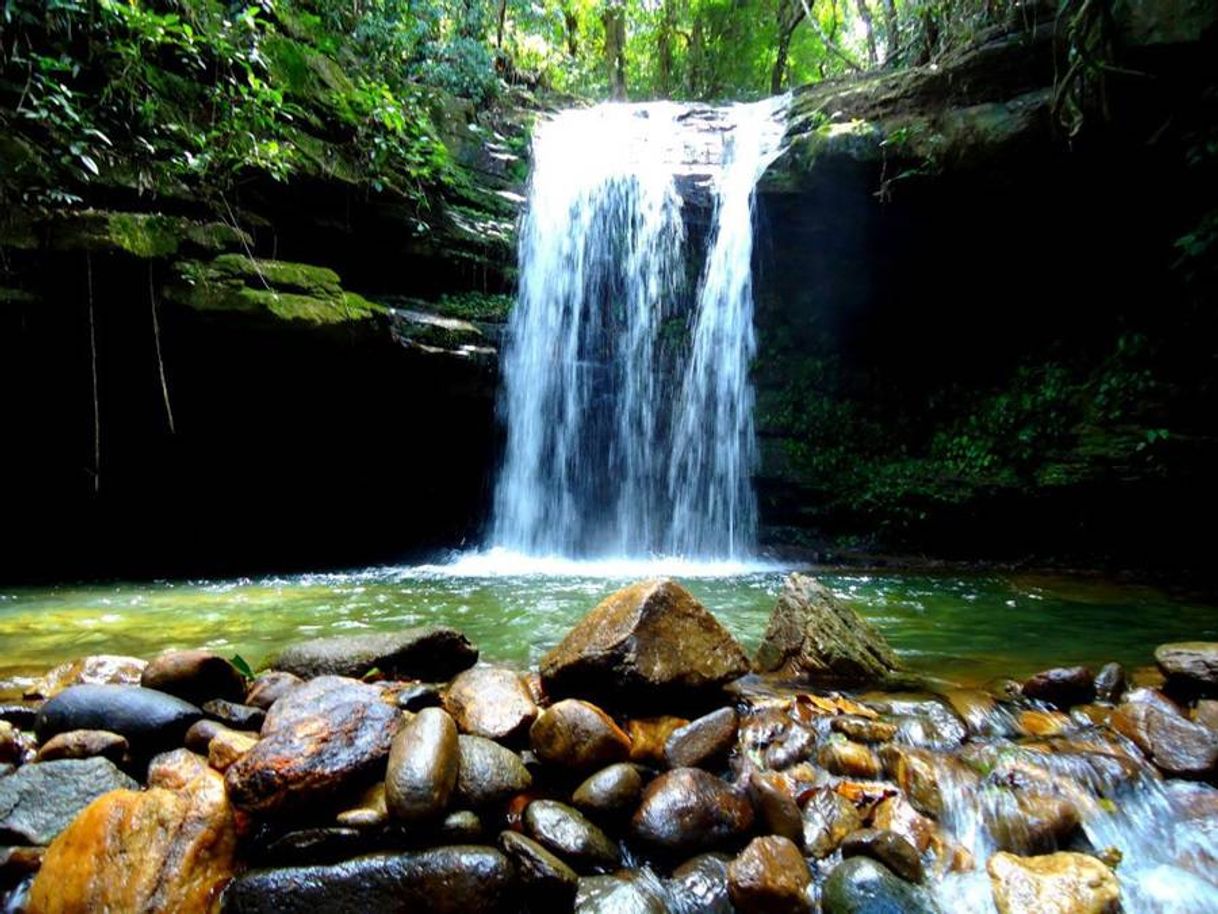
(965, 629)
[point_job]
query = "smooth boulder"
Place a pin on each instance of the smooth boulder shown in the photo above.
(459, 879)
(611, 791)
(492, 702)
(196, 676)
(813, 635)
(567, 833)
(650, 639)
(688, 810)
(84, 744)
(488, 773)
(578, 735)
(1064, 687)
(433, 653)
(148, 719)
(1176, 745)
(861, 885)
(548, 882)
(1061, 883)
(39, 801)
(422, 770)
(703, 741)
(1191, 667)
(770, 877)
(169, 848)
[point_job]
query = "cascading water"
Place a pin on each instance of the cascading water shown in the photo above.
(626, 393)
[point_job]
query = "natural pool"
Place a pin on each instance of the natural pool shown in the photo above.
(963, 628)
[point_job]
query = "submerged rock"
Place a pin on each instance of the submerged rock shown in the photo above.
(323, 737)
(650, 639)
(422, 768)
(861, 885)
(150, 720)
(687, 811)
(169, 848)
(488, 773)
(812, 634)
(492, 702)
(889, 848)
(433, 653)
(567, 833)
(196, 676)
(101, 669)
(827, 819)
(1062, 883)
(38, 801)
(578, 735)
(770, 877)
(700, 884)
(461, 879)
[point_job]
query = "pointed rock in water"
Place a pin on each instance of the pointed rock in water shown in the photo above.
(811, 634)
(492, 702)
(100, 669)
(864, 886)
(578, 735)
(323, 737)
(461, 879)
(38, 801)
(689, 810)
(652, 639)
(150, 720)
(196, 676)
(1062, 883)
(770, 877)
(169, 848)
(488, 773)
(422, 768)
(434, 653)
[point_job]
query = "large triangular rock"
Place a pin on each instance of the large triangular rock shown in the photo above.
(814, 636)
(651, 638)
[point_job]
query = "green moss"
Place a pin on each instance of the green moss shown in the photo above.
(474, 306)
(285, 291)
(14, 296)
(145, 235)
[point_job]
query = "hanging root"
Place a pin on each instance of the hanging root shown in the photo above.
(156, 339)
(93, 365)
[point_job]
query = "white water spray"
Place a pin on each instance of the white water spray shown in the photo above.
(626, 392)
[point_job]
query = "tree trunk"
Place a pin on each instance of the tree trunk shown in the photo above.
(892, 37)
(571, 21)
(873, 57)
(668, 27)
(499, 29)
(614, 19)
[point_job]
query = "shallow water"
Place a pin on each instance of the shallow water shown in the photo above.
(962, 628)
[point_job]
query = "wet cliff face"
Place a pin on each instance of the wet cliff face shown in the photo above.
(979, 337)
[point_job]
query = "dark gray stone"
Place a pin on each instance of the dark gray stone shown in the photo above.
(462, 879)
(566, 832)
(549, 883)
(38, 801)
(703, 741)
(628, 892)
(432, 653)
(150, 720)
(611, 791)
(861, 885)
(700, 884)
(488, 773)
(237, 717)
(689, 810)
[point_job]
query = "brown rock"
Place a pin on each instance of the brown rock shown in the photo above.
(828, 819)
(237, 716)
(101, 669)
(1206, 714)
(849, 759)
(652, 638)
(566, 832)
(371, 811)
(812, 634)
(1174, 743)
(897, 814)
(1029, 820)
(1044, 723)
(548, 882)
(610, 791)
(198, 738)
(1062, 686)
(687, 810)
(1191, 667)
(893, 850)
(196, 676)
(269, 687)
(769, 877)
(918, 773)
(578, 735)
(487, 772)
(1111, 683)
(169, 848)
(1062, 883)
(703, 741)
(863, 730)
(649, 736)
(422, 769)
(84, 744)
(434, 653)
(320, 738)
(776, 806)
(227, 746)
(11, 748)
(491, 702)
(974, 707)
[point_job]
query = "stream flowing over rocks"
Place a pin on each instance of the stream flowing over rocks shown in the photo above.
(644, 768)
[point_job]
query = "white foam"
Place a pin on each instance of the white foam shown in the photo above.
(498, 563)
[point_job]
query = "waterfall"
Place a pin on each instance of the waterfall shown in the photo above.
(626, 393)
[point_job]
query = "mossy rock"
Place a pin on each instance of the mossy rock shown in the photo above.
(145, 235)
(15, 296)
(305, 72)
(294, 292)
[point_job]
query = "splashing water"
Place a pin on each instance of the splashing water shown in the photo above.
(625, 436)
